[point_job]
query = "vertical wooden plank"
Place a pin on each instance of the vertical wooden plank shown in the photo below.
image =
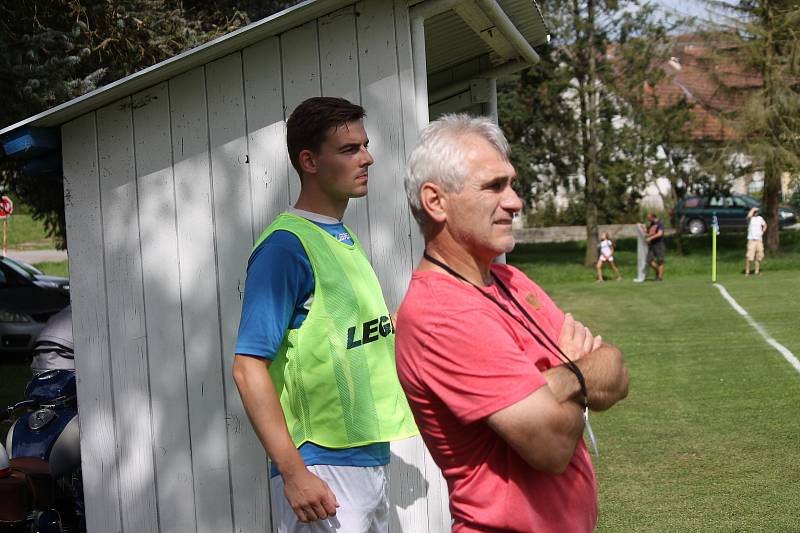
(380, 95)
(196, 252)
(90, 324)
(405, 64)
(266, 132)
(126, 320)
(300, 53)
(162, 303)
(233, 229)
(437, 497)
(389, 222)
(339, 76)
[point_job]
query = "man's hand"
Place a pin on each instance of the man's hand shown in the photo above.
(576, 340)
(309, 496)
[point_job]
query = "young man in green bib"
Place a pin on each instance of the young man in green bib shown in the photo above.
(315, 354)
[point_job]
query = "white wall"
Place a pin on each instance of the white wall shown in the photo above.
(166, 191)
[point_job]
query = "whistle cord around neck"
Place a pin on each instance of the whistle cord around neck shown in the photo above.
(552, 348)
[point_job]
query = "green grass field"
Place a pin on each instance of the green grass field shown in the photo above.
(55, 268)
(707, 439)
(25, 233)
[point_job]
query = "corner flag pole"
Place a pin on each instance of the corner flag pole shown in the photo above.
(714, 233)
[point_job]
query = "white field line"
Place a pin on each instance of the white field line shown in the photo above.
(783, 350)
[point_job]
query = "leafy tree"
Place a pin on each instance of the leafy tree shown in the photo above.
(571, 119)
(765, 37)
(52, 51)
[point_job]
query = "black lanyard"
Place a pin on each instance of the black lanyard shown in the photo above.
(553, 348)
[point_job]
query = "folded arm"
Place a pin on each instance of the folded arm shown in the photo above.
(542, 430)
(604, 372)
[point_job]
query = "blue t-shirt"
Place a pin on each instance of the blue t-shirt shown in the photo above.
(277, 296)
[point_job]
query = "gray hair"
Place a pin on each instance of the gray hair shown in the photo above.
(439, 156)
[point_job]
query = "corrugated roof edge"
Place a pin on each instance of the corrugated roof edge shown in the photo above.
(200, 55)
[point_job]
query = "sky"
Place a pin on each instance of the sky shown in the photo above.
(684, 7)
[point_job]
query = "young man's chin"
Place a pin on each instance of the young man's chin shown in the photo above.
(360, 192)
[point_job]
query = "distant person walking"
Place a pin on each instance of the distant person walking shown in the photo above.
(606, 256)
(756, 226)
(656, 245)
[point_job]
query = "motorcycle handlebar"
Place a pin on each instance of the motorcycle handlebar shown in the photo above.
(24, 404)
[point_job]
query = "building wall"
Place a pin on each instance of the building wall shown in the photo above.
(166, 192)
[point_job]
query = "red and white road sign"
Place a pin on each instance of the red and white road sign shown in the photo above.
(6, 207)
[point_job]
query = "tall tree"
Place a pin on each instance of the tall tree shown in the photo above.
(765, 37)
(54, 50)
(579, 108)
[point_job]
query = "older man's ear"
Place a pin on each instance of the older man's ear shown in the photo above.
(433, 201)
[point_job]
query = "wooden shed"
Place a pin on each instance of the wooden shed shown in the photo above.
(171, 173)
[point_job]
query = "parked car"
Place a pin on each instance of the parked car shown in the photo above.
(41, 279)
(695, 213)
(27, 299)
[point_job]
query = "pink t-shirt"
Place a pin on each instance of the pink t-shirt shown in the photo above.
(460, 359)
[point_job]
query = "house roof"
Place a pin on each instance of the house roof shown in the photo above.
(449, 42)
(706, 72)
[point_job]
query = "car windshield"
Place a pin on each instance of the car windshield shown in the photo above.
(750, 201)
(23, 269)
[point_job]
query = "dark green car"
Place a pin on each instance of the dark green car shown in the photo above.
(695, 213)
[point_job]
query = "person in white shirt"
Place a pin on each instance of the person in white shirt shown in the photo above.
(756, 226)
(606, 256)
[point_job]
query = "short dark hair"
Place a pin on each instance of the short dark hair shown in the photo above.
(309, 123)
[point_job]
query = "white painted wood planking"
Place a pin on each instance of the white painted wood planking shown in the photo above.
(233, 233)
(389, 231)
(405, 65)
(162, 304)
(380, 95)
(438, 511)
(339, 77)
(127, 334)
(266, 130)
(90, 324)
(196, 251)
(300, 60)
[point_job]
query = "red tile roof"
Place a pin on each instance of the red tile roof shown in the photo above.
(705, 72)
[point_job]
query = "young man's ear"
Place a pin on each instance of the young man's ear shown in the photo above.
(307, 161)
(433, 201)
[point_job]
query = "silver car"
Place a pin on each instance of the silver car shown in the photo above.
(28, 298)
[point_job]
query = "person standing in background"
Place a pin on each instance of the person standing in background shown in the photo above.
(656, 245)
(756, 226)
(606, 256)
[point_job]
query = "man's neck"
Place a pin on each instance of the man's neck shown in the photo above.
(476, 270)
(316, 202)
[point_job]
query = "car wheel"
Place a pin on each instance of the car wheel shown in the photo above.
(696, 226)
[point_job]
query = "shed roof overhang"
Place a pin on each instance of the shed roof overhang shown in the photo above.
(456, 32)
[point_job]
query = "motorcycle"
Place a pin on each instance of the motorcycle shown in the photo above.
(41, 489)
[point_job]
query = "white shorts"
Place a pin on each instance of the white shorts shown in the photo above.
(362, 493)
(606, 259)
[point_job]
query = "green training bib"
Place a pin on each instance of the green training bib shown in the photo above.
(335, 374)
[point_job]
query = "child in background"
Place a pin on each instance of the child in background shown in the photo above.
(606, 256)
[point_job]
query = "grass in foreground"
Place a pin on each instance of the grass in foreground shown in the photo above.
(707, 438)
